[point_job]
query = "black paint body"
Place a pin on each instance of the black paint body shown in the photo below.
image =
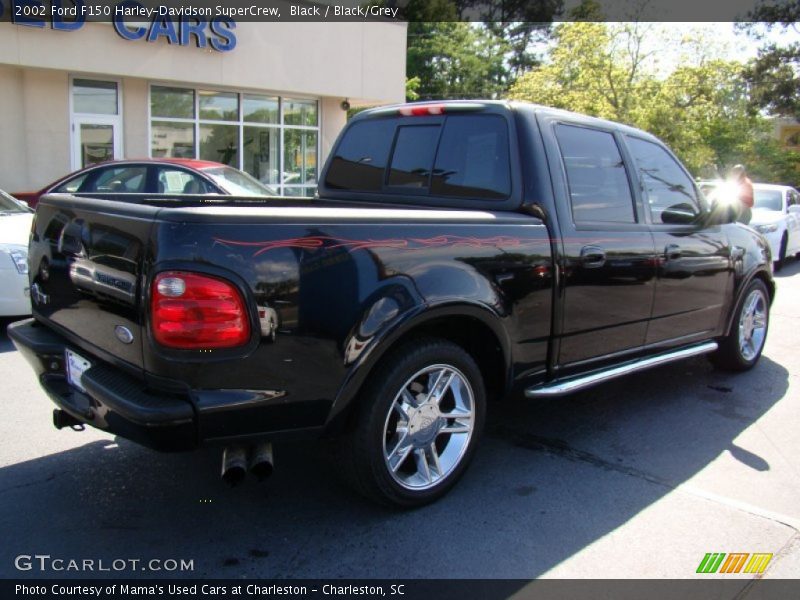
(348, 276)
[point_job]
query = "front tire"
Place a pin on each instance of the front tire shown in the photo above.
(420, 419)
(778, 264)
(742, 347)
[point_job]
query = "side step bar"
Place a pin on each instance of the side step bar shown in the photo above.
(567, 386)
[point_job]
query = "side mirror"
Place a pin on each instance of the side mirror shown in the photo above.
(794, 209)
(679, 214)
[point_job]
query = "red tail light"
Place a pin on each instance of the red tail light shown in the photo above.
(194, 311)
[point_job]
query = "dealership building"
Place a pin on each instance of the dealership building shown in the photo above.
(265, 97)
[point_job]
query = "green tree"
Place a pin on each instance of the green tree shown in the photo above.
(774, 75)
(454, 59)
(700, 108)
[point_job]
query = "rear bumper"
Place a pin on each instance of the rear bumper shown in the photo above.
(120, 404)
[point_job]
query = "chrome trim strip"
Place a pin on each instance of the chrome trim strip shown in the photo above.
(567, 386)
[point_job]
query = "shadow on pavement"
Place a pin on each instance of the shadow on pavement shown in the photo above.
(550, 478)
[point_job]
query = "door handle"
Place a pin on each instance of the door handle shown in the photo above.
(592, 257)
(672, 252)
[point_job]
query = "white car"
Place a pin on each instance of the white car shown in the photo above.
(776, 215)
(15, 227)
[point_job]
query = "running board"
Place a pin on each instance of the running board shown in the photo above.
(567, 386)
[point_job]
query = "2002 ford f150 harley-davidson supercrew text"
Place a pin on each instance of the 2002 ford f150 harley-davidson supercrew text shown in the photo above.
(458, 253)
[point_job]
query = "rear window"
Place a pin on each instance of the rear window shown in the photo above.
(466, 157)
(362, 156)
(413, 155)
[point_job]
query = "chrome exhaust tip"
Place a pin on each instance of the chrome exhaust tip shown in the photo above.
(234, 465)
(261, 463)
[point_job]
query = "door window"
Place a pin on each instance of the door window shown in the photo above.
(664, 183)
(119, 180)
(598, 182)
(178, 181)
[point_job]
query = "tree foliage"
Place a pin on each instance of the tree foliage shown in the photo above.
(700, 108)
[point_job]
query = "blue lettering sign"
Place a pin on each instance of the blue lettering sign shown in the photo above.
(163, 26)
(30, 13)
(193, 27)
(70, 24)
(223, 29)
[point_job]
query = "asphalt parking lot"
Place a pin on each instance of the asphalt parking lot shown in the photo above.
(638, 478)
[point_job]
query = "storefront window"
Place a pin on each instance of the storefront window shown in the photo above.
(219, 106)
(262, 153)
(245, 131)
(260, 109)
(171, 102)
(220, 143)
(300, 112)
(171, 139)
(300, 157)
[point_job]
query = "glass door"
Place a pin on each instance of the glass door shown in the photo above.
(95, 140)
(96, 122)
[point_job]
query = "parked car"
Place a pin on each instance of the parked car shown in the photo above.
(15, 227)
(776, 214)
(459, 252)
(154, 176)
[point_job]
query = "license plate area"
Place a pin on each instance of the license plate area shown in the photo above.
(76, 366)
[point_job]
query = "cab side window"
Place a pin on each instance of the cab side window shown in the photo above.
(665, 184)
(599, 189)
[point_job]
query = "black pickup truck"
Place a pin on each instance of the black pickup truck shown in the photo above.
(458, 253)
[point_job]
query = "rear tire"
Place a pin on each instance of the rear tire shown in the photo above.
(419, 420)
(742, 347)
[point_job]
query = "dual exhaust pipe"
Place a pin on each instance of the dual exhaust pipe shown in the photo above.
(238, 459)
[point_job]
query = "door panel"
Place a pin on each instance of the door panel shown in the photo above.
(606, 307)
(609, 257)
(694, 279)
(695, 271)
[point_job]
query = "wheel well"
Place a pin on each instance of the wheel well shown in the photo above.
(769, 282)
(476, 338)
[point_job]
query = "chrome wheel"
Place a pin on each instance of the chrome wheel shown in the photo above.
(752, 324)
(429, 426)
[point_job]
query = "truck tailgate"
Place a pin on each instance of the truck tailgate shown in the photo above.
(86, 259)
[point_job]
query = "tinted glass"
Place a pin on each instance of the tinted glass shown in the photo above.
(412, 159)
(768, 199)
(361, 156)
(94, 97)
(120, 180)
(664, 182)
(598, 183)
(473, 160)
